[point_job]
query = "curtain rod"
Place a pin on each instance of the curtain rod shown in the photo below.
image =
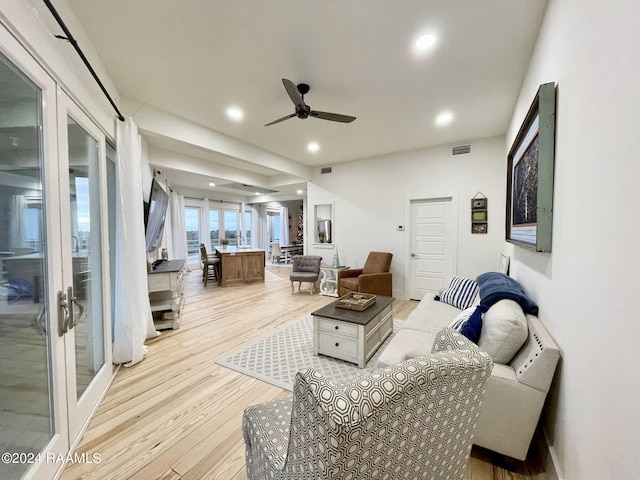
(69, 38)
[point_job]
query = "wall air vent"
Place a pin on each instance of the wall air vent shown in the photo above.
(461, 150)
(324, 170)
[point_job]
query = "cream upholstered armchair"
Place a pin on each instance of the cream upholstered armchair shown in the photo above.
(411, 420)
(374, 277)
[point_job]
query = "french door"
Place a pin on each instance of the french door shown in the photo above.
(55, 352)
(84, 241)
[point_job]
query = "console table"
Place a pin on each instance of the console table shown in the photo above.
(166, 293)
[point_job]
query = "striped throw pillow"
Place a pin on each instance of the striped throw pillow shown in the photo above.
(460, 293)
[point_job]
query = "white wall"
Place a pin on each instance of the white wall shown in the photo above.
(587, 288)
(371, 199)
(35, 26)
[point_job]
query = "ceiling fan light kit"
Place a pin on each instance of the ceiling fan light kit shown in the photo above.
(297, 93)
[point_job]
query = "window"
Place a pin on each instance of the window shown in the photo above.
(273, 226)
(231, 225)
(192, 225)
(214, 227)
(33, 221)
(247, 228)
(225, 224)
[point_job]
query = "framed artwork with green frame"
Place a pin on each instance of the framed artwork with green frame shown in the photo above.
(530, 165)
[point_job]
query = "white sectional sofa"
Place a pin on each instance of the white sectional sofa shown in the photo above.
(517, 389)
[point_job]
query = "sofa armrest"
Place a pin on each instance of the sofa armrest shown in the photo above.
(535, 363)
(376, 283)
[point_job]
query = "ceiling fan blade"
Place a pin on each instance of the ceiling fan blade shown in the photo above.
(294, 94)
(286, 117)
(334, 117)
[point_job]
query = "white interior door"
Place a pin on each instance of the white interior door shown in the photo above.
(433, 234)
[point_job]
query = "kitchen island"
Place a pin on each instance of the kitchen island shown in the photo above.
(240, 265)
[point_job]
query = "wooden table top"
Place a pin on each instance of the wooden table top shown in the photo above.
(354, 316)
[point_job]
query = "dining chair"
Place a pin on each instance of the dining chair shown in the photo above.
(210, 265)
(276, 253)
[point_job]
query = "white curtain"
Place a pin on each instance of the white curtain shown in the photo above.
(260, 239)
(133, 319)
(17, 222)
(178, 228)
(284, 226)
(205, 236)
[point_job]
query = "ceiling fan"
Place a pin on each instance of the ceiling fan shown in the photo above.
(297, 93)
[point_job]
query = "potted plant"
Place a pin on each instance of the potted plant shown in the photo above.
(224, 242)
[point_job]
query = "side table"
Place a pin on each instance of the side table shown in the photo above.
(166, 293)
(329, 280)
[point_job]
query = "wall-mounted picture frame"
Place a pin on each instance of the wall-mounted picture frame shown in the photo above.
(479, 213)
(530, 165)
(479, 228)
(480, 216)
(479, 203)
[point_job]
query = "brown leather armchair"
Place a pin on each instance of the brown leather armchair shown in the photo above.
(373, 278)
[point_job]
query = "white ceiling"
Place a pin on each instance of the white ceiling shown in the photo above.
(192, 59)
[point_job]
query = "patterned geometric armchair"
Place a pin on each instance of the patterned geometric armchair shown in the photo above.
(412, 420)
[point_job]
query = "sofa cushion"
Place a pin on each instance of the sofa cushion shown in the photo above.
(504, 331)
(404, 342)
(350, 283)
(431, 315)
(460, 293)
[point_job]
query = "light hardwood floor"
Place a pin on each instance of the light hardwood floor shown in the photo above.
(177, 414)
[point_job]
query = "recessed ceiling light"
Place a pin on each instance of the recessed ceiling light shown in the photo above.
(211, 184)
(258, 193)
(313, 147)
(299, 192)
(235, 113)
(444, 118)
(425, 42)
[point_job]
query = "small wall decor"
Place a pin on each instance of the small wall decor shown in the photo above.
(530, 175)
(479, 213)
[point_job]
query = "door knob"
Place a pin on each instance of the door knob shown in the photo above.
(413, 254)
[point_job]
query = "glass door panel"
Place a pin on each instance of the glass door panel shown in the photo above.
(32, 396)
(214, 227)
(231, 226)
(84, 205)
(82, 162)
(192, 225)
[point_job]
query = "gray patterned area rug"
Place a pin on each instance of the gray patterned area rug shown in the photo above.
(278, 358)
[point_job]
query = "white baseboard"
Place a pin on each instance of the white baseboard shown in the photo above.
(552, 464)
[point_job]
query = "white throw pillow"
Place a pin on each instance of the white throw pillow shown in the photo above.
(504, 331)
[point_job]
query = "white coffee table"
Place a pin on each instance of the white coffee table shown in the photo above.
(352, 335)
